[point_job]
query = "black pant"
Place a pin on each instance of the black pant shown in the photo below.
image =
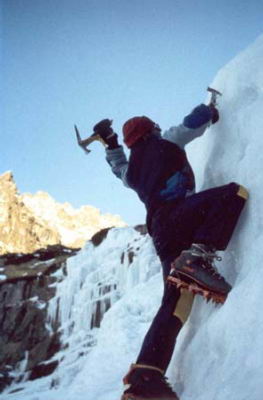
(208, 217)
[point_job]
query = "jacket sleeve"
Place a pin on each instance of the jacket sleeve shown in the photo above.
(193, 126)
(118, 163)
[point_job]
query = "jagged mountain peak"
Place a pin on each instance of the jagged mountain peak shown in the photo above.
(8, 175)
(8, 184)
(32, 221)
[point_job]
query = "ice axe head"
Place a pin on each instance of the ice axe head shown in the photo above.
(86, 142)
(214, 94)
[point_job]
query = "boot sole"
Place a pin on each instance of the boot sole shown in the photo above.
(196, 288)
(134, 397)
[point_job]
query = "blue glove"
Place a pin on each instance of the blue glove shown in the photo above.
(214, 113)
(201, 115)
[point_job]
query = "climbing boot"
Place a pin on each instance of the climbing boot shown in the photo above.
(194, 270)
(147, 383)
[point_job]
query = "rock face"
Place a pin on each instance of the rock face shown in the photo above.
(20, 230)
(30, 222)
(27, 283)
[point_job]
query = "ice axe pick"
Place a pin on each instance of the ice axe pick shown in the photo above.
(86, 142)
(214, 94)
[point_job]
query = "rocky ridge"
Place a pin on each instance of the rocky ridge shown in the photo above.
(30, 222)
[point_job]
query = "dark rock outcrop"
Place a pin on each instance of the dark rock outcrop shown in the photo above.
(27, 284)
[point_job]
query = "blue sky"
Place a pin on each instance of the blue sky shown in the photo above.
(78, 61)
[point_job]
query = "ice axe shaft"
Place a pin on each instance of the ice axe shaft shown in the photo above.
(86, 142)
(214, 94)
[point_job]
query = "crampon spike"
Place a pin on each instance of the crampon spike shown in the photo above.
(179, 285)
(208, 295)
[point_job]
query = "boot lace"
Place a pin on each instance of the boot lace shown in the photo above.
(209, 256)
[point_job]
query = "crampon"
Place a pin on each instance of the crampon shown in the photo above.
(195, 288)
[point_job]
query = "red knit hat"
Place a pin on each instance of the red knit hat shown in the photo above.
(135, 128)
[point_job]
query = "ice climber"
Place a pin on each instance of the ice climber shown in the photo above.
(187, 229)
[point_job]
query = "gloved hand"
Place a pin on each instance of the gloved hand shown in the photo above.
(105, 131)
(214, 113)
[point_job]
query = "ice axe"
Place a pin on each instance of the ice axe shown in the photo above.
(86, 142)
(214, 94)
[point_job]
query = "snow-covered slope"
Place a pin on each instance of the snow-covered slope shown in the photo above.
(219, 353)
(74, 226)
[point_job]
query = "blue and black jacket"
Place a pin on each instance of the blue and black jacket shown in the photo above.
(158, 169)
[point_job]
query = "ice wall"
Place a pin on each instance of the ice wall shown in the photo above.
(220, 353)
